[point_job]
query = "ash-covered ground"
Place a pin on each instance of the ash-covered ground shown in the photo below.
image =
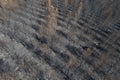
(59, 40)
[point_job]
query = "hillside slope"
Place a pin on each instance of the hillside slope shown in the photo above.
(60, 40)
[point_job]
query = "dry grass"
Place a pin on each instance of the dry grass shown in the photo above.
(77, 15)
(45, 48)
(7, 76)
(69, 17)
(51, 20)
(66, 3)
(103, 59)
(88, 52)
(109, 16)
(10, 4)
(2, 17)
(107, 11)
(72, 61)
(110, 77)
(75, 19)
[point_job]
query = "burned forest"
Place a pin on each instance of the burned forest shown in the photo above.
(59, 39)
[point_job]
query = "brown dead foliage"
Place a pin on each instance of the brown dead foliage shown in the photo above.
(88, 52)
(7, 76)
(10, 4)
(77, 15)
(51, 20)
(72, 60)
(110, 77)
